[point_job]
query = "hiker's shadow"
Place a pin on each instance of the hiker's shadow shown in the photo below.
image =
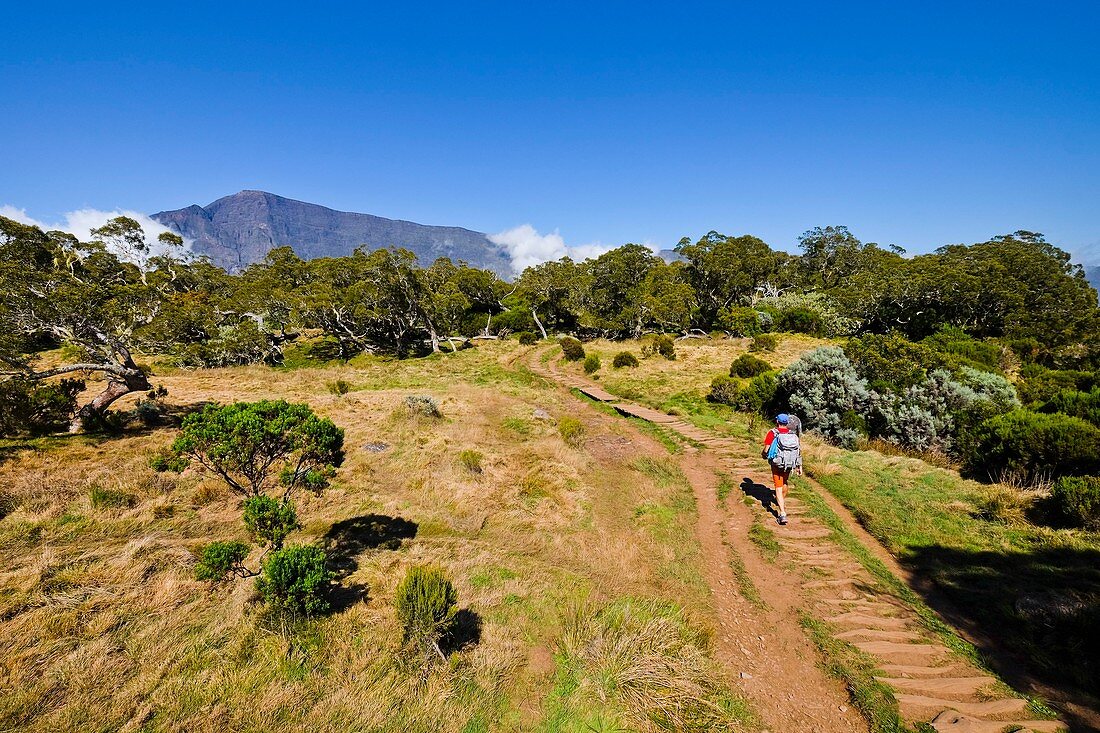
(761, 493)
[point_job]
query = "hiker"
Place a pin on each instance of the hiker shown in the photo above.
(783, 450)
(794, 424)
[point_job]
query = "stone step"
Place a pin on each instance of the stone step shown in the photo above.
(879, 635)
(953, 687)
(854, 618)
(920, 670)
(951, 721)
(921, 707)
(900, 652)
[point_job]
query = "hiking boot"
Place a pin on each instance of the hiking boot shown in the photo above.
(782, 519)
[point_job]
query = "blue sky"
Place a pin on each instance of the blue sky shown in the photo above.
(914, 124)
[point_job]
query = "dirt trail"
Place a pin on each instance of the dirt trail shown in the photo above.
(932, 683)
(763, 651)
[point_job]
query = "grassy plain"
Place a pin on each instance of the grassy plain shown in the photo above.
(574, 561)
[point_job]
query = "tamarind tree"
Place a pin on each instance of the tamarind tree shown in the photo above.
(81, 294)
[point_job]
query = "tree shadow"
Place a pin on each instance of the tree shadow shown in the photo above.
(342, 596)
(349, 538)
(762, 493)
(464, 633)
(1034, 616)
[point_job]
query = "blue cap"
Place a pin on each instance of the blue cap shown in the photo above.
(782, 418)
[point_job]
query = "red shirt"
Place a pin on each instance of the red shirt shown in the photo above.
(771, 435)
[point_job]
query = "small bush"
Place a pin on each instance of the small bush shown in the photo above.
(764, 342)
(527, 338)
(339, 387)
(219, 560)
(571, 430)
(425, 405)
(37, 408)
(9, 502)
(624, 359)
(294, 580)
(165, 460)
(1077, 500)
(801, 319)
(1085, 405)
(665, 346)
(471, 460)
(1032, 445)
(426, 603)
(164, 511)
(1004, 504)
(572, 349)
(111, 498)
(758, 394)
(740, 321)
(591, 364)
(748, 365)
(269, 521)
(723, 390)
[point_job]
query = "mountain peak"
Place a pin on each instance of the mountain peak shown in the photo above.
(240, 229)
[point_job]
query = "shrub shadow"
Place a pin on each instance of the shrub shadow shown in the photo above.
(1034, 616)
(349, 538)
(762, 493)
(465, 632)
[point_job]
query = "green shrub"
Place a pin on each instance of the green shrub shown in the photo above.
(219, 560)
(1039, 384)
(1085, 405)
(269, 521)
(740, 321)
(251, 445)
(111, 498)
(527, 338)
(1077, 500)
(890, 362)
(764, 342)
(723, 390)
(37, 408)
(665, 346)
(758, 394)
(1032, 445)
(339, 387)
(572, 349)
(748, 365)
(471, 460)
(423, 405)
(295, 580)
(591, 364)
(571, 430)
(426, 603)
(965, 348)
(165, 460)
(624, 359)
(801, 319)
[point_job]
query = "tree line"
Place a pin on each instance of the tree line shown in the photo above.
(108, 298)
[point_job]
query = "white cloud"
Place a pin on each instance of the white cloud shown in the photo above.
(81, 221)
(527, 247)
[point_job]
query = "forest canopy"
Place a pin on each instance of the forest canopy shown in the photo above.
(109, 298)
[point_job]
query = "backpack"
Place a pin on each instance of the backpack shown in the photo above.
(787, 449)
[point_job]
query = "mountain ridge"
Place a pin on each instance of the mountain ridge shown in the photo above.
(240, 229)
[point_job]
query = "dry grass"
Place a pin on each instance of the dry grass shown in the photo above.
(105, 628)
